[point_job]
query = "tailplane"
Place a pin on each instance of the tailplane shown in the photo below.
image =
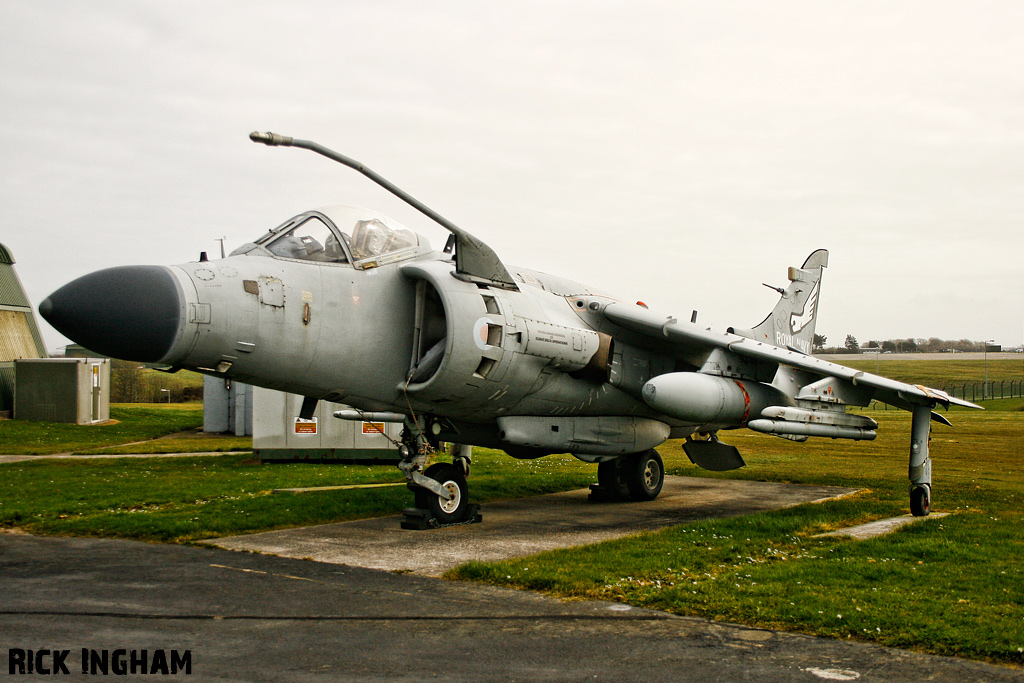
(791, 323)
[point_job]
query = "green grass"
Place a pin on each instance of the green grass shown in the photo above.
(949, 586)
(938, 373)
(191, 441)
(129, 422)
(189, 499)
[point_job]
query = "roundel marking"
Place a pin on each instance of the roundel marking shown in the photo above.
(480, 333)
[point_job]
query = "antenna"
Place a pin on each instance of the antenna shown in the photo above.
(474, 260)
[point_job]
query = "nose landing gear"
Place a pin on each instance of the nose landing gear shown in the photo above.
(455, 509)
(441, 492)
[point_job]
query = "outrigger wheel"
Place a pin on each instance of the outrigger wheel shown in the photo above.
(920, 501)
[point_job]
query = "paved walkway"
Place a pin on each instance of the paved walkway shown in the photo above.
(525, 526)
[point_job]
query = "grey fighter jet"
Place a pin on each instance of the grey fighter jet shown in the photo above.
(346, 305)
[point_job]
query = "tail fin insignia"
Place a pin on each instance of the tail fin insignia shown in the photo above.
(798, 321)
(791, 323)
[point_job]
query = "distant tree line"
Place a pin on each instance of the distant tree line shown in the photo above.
(133, 383)
(908, 345)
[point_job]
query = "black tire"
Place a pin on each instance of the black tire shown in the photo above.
(445, 511)
(644, 475)
(920, 501)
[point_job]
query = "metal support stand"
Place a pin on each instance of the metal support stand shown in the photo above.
(920, 470)
(604, 494)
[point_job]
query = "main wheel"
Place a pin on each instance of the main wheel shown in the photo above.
(445, 511)
(644, 475)
(920, 501)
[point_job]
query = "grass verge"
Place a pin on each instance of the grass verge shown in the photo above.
(188, 499)
(129, 423)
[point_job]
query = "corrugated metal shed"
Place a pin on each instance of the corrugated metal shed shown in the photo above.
(19, 333)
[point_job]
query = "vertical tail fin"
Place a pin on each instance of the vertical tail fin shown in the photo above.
(791, 322)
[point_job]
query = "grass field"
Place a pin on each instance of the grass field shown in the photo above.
(129, 422)
(939, 373)
(188, 499)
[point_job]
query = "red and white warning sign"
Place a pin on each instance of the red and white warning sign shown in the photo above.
(373, 428)
(305, 426)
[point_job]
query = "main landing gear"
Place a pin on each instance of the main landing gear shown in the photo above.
(638, 476)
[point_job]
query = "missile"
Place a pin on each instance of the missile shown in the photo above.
(824, 417)
(787, 428)
(362, 416)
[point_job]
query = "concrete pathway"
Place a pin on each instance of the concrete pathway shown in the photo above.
(881, 526)
(524, 526)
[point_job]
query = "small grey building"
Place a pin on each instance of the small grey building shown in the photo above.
(227, 406)
(75, 390)
(280, 435)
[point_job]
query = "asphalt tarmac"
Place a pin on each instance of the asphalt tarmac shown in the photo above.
(252, 617)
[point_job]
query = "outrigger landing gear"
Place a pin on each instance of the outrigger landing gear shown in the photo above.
(638, 476)
(920, 470)
(442, 494)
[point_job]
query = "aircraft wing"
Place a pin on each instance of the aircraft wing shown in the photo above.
(846, 385)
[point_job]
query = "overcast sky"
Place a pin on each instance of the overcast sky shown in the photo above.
(676, 152)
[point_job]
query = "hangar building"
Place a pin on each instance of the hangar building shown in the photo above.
(19, 333)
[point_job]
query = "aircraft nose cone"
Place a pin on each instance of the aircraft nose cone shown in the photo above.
(130, 312)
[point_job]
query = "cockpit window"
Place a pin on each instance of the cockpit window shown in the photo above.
(373, 237)
(344, 234)
(310, 240)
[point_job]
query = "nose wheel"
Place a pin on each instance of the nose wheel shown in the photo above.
(645, 475)
(441, 491)
(454, 509)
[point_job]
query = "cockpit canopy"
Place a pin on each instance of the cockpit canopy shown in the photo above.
(344, 234)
